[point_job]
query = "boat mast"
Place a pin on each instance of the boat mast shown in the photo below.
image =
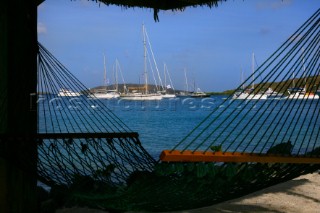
(252, 70)
(105, 71)
(304, 67)
(167, 73)
(165, 77)
(154, 61)
(185, 76)
(242, 78)
(116, 75)
(145, 59)
(293, 76)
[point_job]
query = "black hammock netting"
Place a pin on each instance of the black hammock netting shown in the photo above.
(88, 155)
(91, 140)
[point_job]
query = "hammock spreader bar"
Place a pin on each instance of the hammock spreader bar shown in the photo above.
(88, 135)
(236, 157)
(41, 136)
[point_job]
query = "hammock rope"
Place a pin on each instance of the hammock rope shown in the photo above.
(79, 135)
(250, 117)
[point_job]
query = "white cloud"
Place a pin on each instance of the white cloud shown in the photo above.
(41, 28)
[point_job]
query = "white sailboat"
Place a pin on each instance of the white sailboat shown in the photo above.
(186, 92)
(301, 93)
(249, 93)
(145, 95)
(138, 96)
(105, 93)
(198, 93)
(165, 93)
(271, 94)
(68, 93)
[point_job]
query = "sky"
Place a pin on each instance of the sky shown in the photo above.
(212, 47)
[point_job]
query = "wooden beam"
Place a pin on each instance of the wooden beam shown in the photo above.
(68, 135)
(237, 157)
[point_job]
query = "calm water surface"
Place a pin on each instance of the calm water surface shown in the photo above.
(163, 124)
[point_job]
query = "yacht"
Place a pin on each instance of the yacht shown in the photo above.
(271, 94)
(68, 93)
(249, 95)
(138, 96)
(105, 94)
(167, 95)
(300, 93)
(199, 94)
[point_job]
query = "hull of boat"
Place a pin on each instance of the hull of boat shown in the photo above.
(169, 96)
(142, 97)
(104, 96)
(303, 96)
(67, 93)
(245, 96)
(199, 96)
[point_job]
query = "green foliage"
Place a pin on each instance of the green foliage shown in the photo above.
(171, 186)
(217, 148)
(104, 173)
(281, 148)
(201, 170)
(230, 170)
(315, 152)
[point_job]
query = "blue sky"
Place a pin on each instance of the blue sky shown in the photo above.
(212, 45)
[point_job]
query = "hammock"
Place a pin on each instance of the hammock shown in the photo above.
(90, 157)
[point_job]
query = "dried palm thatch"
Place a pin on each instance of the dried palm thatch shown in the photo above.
(158, 5)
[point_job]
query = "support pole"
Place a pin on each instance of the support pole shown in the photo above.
(18, 80)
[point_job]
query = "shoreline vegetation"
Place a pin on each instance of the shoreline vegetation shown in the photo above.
(281, 87)
(312, 84)
(153, 88)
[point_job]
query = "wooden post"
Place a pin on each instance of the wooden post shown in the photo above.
(18, 79)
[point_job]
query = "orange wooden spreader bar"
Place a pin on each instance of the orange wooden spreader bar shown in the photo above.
(209, 156)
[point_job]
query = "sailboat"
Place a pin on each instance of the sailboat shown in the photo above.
(105, 93)
(249, 93)
(143, 95)
(198, 93)
(273, 94)
(299, 92)
(165, 93)
(186, 92)
(68, 93)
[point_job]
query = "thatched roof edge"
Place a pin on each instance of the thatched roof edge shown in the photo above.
(158, 5)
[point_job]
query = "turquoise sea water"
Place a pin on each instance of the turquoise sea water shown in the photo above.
(163, 124)
(160, 124)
